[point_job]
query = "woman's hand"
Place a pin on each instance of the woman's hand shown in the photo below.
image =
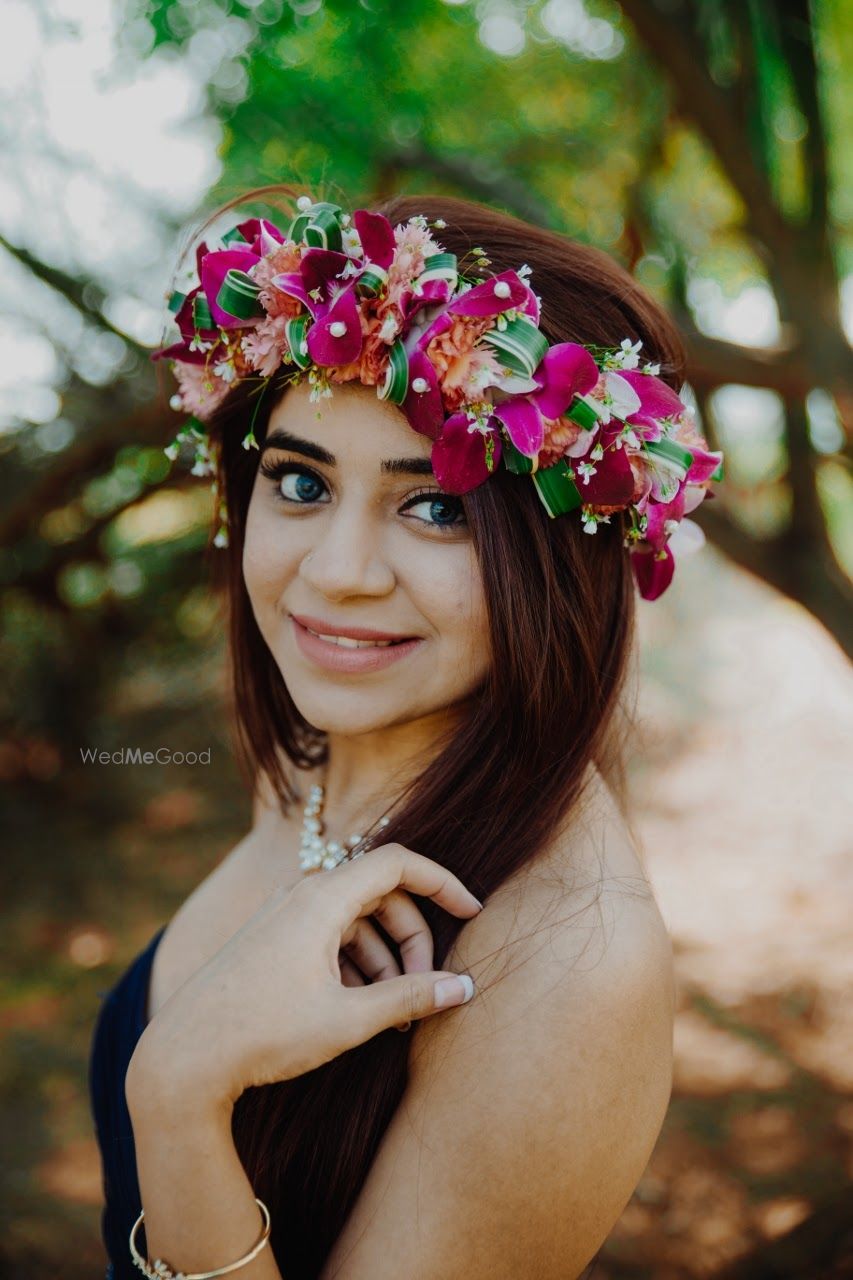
(271, 1003)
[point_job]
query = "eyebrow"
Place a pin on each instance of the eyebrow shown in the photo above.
(390, 466)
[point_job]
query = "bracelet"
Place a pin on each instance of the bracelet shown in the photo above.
(160, 1270)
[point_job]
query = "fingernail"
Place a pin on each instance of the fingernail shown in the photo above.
(478, 902)
(450, 991)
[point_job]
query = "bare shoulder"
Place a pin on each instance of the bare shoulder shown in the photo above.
(531, 1112)
(226, 897)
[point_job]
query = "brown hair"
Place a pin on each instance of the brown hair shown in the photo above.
(561, 613)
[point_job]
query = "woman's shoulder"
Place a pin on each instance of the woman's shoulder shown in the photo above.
(578, 931)
(237, 886)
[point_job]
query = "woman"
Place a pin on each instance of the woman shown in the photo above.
(429, 653)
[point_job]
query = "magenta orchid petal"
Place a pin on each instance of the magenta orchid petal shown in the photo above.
(657, 400)
(652, 573)
(440, 324)
(320, 266)
(483, 301)
(262, 236)
(214, 269)
(565, 370)
(326, 347)
(376, 235)
(524, 423)
(660, 518)
(459, 455)
(431, 294)
(611, 484)
(424, 409)
(185, 320)
(704, 464)
(292, 283)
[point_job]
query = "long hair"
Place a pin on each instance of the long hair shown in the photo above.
(509, 775)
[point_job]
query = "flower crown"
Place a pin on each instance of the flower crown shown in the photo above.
(343, 297)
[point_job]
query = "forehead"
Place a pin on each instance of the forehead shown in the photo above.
(351, 422)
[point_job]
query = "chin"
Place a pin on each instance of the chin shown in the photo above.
(335, 713)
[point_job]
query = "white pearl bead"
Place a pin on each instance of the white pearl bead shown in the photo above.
(420, 385)
(337, 328)
(303, 203)
(502, 289)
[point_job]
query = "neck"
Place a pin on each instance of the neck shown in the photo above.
(365, 772)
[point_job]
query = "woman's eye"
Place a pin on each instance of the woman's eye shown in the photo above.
(294, 483)
(441, 509)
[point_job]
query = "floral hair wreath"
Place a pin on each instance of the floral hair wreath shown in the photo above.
(341, 297)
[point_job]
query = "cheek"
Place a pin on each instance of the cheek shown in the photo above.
(268, 560)
(450, 594)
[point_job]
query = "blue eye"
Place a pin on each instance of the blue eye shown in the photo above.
(444, 509)
(298, 485)
(303, 485)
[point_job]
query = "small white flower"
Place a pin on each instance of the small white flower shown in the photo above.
(651, 368)
(351, 242)
(221, 539)
(628, 354)
(585, 470)
(172, 450)
(388, 332)
(524, 271)
(225, 370)
(198, 345)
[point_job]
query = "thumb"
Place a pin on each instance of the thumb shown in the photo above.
(413, 995)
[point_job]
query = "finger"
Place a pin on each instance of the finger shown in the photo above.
(365, 948)
(356, 887)
(413, 995)
(350, 976)
(402, 921)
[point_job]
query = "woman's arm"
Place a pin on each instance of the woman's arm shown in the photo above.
(200, 1209)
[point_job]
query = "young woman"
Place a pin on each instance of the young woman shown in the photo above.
(429, 656)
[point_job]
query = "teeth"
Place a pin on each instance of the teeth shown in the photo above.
(346, 643)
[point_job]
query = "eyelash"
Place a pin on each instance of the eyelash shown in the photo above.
(275, 471)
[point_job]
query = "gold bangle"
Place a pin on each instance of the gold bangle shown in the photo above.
(160, 1270)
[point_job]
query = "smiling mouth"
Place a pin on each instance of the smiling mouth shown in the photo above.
(345, 642)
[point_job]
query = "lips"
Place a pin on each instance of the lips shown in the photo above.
(336, 632)
(351, 655)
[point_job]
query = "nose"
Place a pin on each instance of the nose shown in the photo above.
(347, 557)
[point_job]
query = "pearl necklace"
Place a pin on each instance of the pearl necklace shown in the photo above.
(316, 853)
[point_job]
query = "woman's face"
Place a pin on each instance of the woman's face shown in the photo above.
(348, 528)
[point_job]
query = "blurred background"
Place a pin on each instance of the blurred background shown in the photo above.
(705, 145)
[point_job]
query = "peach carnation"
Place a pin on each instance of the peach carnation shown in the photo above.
(200, 389)
(284, 257)
(266, 346)
(454, 359)
(561, 435)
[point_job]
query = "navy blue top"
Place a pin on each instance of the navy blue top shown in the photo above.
(120, 1022)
